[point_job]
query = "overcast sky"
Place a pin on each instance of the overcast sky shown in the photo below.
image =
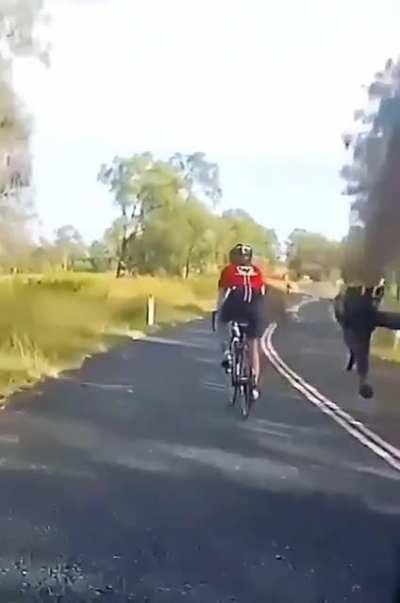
(263, 87)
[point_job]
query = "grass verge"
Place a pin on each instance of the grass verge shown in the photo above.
(50, 323)
(384, 343)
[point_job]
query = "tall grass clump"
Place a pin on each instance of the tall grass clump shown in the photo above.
(50, 322)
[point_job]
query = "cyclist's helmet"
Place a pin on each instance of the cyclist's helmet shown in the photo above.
(241, 254)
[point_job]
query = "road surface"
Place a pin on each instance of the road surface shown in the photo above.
(129, 480)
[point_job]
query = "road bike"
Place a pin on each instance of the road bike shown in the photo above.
(241, 374)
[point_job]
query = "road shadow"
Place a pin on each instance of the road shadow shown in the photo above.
(169, 541)
(152, 490)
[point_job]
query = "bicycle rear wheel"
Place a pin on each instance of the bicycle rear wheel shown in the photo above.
(246, 379)
(235, 375)
(246, 401)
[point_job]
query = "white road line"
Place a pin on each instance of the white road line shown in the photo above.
(295, 310)
(355, 428)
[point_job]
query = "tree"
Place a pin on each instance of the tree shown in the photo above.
(69, 246)
(238, 226)
(373, 176)
(200, 176)
(312, 253)
(42, 257)
(167, 220)
(178, 238)
(140, 186)
(100, 256)
(113, 236)
(18, 33)
(197, 235)
(189, 237)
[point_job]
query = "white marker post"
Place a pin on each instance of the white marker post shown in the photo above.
(396, 341)
(150, 311)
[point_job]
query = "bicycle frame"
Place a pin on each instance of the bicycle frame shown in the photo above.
(241, 369)
(238, 341)
(241, 376)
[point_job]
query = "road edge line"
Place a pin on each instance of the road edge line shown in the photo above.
(365, 436)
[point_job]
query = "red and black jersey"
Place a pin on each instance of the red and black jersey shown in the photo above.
(246, 279)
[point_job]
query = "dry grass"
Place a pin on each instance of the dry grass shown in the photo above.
(48, 323)
(51, 322)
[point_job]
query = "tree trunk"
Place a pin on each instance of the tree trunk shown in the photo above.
(122, 254)
(124, 244)
(121, 258)
(187, 269)
(187, 264)
(65, 261)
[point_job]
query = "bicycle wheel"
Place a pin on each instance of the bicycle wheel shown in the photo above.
(246, 399)
(235, 375)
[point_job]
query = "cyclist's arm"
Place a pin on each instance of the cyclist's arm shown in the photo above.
(220, 298)
(222, 295)
(223, 288)
(263, 284)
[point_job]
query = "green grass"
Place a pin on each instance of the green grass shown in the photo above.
(49, 323)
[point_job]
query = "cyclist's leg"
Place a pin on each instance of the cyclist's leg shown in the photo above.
(254, 334)
(224, 339)
(223, 334)
(253, 344)
(254, 351)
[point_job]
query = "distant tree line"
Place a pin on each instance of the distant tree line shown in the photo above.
(169, 222)
(314, 255)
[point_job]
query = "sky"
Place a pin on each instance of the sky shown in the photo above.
(263, 87)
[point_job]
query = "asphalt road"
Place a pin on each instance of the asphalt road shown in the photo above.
(130, 480)
(313, 347)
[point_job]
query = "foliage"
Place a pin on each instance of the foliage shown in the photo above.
(18, 32)
(201, 177)
(69, 246)
(100, 257)
(239, 226)
(313, 254)
(168, 222)
(140, 185)
(372, 176)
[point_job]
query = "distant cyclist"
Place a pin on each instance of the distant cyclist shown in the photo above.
(241, 289)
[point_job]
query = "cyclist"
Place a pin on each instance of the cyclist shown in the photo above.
(241, 289)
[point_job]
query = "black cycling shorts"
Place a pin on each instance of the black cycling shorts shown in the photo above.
(235, 309)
